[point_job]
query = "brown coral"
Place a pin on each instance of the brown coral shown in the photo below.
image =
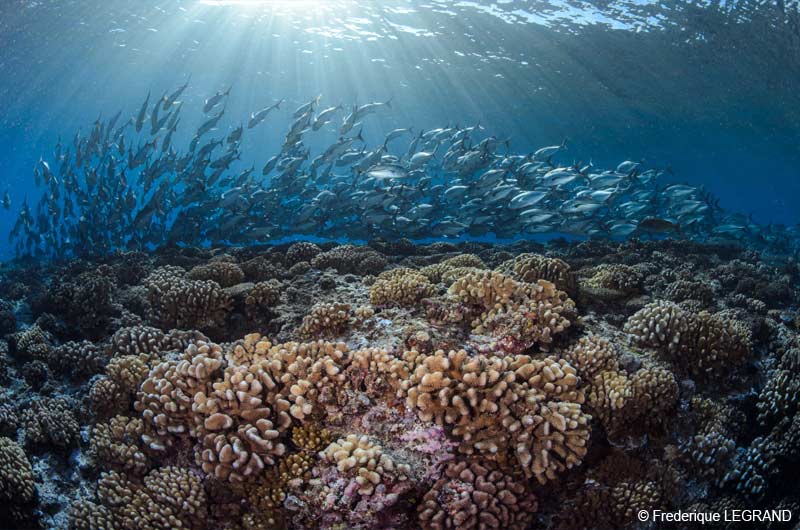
(224, 273)
(50, 421)
(534, 267)
(402, 287)
(180, 302)
(350, 259)
(519, 315)
(504, 408)
(471, 495)
(325, 320)
(16, 474)
(364, 461)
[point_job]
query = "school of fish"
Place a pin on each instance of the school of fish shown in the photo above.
(125, 185)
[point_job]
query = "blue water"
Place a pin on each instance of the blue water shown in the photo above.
(710, 92)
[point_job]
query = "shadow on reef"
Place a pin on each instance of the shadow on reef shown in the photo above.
(397, 386)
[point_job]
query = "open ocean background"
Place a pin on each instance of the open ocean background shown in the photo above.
(710, 90)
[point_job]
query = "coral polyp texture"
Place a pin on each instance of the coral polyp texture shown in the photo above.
(402, 386)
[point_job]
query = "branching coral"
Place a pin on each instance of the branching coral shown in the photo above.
(436, 273)
(325, 320)
(112, 392)
(50, 421)
(180, 302)
(85, 301)
(262, 298)
(364, 461)
(165, 397)
(711, 448)
(519, 315)
(504, 408)
(239, 404)
(168, 498)
(16, 474)
(301, 251)
(224, 273)
(137, 339)
(610, 282)
(470, 495)
(33, 343)
(402, 287)
(701, 343)
(533, 267)
(780, 396)
(622, 401)
(78, 359)
(120, 444)
(350, 259)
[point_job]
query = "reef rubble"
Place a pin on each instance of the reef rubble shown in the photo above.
(396, 385)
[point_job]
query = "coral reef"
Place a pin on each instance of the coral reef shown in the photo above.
(394, 385)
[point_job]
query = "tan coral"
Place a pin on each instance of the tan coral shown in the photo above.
(592, 355)
(165, 397)
(473, 496)
(363, 460)
(137, 339)
(118, 444)
(16, 474)
(612, 281)
(224, 273)
(311, 437)
(703, 344)
(262, 297)
(437, 272)
(534, 267)
(519, 314)
(168, 498)
(400, 287)
(180, 302)
(505, 408)
(325, 320)
(50, 421)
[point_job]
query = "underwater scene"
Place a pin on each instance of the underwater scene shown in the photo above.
(403, 264)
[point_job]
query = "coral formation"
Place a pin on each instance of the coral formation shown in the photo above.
(450, 385)
(402, 287)
(703, 344)
(471, 495)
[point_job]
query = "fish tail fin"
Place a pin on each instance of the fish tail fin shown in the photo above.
(359, 136)
(389, 102)
(564, 143)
